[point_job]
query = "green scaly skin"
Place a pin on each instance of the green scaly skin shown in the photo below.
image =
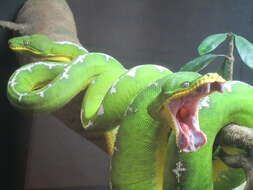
(130, 98)
(147, 154)
(39, 86)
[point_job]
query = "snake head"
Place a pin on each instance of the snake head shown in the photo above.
(177, 106)
(36, 44)
(40, 46)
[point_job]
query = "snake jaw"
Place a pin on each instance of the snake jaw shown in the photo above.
(183, 107)
(43, 57)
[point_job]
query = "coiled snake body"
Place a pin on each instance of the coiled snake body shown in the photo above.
(159, 144)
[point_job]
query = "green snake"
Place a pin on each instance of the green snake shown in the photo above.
(155, 112)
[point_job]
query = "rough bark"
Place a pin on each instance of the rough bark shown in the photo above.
(50, 17)
(239, 137)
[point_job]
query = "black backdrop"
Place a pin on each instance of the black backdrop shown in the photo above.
(41, 153)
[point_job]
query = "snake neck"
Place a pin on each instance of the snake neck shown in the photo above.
(235, 105)
(65, 52)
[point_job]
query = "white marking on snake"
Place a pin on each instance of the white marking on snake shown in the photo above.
(81, 116)
(161, 68)
(107, 57)
(65, 73)
(113, 88)
(80, 59)
(204, 102)
(65, 76)
(228, 85)
(29, 68)
(41, 94)
(21, 95)
(49, 65)
(129, 108)
(73, 44)
(90, 123)
(12, 83)
(115, 149)
(101, 110)
(178, 170)
(132, 72)
(93, 81)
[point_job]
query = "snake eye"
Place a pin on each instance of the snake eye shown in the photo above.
(26, 43)
(186, 84)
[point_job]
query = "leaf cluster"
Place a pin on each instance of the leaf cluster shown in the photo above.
(210, 43)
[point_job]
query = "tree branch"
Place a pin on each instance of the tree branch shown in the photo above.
(21, 28)
(240, 137)
(59, 25)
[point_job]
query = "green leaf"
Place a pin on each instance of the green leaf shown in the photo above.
(199, 63)
(211, 42)
(245, 50)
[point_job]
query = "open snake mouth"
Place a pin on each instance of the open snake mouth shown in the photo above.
(184, 111)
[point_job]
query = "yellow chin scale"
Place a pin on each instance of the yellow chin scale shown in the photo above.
(58, 58)
(20, 49)
(168, 118)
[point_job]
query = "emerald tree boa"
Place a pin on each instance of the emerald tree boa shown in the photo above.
(160, 126)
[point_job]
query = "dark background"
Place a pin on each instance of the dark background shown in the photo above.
(40, 152)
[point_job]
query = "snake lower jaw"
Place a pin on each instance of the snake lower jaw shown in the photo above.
(185, 115)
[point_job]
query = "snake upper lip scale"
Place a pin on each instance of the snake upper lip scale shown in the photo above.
(185, 114)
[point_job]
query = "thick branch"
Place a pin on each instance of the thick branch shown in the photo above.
(21, 28)
(249, 184)
(240, 137)
(59, 25)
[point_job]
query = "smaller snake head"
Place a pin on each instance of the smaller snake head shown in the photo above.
(40, 46)
(177, 106)
(36, 44)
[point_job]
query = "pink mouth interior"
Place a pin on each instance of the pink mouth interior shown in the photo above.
(185, 111)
